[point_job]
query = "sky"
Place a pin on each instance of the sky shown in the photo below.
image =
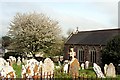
(84, 14)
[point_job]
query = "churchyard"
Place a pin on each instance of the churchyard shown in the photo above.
(31, 68)
(60, 73)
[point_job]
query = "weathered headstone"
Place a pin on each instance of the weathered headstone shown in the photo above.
(29, 72)
(2, 61)
(98, 71)
(48, 68)
(59, 63)
(105, 69)
(12, 59)
(74, 65)
(23, 73)
(111, 71)
(86, 64)
(74, 68)
(19, 61)
(65, 69)
(23, 59)
(40, 67)
(82, 66)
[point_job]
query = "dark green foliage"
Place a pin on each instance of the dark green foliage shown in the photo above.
(111, 53)
(15, 54)
(6, 40)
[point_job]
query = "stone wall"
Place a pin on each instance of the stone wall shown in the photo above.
(86, 49)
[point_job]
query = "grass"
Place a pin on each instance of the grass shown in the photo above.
(58, 73)
(17, 70)
(87, 73)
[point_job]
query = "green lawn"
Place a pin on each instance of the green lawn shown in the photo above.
(87, 73)
(17, 70)
(58, 73)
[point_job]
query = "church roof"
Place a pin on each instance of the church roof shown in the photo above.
(96, 37)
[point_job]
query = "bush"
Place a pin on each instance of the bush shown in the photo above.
(111, 53)
(15, 54)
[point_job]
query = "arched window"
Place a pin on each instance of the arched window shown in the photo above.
(93, 55)
(81, 54)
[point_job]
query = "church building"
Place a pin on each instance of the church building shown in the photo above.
(88, 44)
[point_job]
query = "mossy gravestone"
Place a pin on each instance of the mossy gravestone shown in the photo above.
(74, 68)
(74, 65)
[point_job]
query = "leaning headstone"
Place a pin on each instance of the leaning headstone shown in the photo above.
(86, 64)
(2, 61)
(98, 71)
(111, 71)
(18, 61)
(82, 66)
(105, 69)
(48, 68)
(23, 72)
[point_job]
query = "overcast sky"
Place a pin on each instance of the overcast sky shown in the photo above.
(85, 14)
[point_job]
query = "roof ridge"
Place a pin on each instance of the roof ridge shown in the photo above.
(100, 30)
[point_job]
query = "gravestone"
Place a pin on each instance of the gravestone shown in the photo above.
(40, 67)
(59, 63)
(111, 71)
(66, 65)
(98, 71)
(74, 65)
(2, 61)
(105, 69)
(82, 66)
(74, 68)
(86, 64)
(48, 68)
(23, 59)
(23, 72)
(19, 61)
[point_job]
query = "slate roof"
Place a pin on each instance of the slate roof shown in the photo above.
(96, 37)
